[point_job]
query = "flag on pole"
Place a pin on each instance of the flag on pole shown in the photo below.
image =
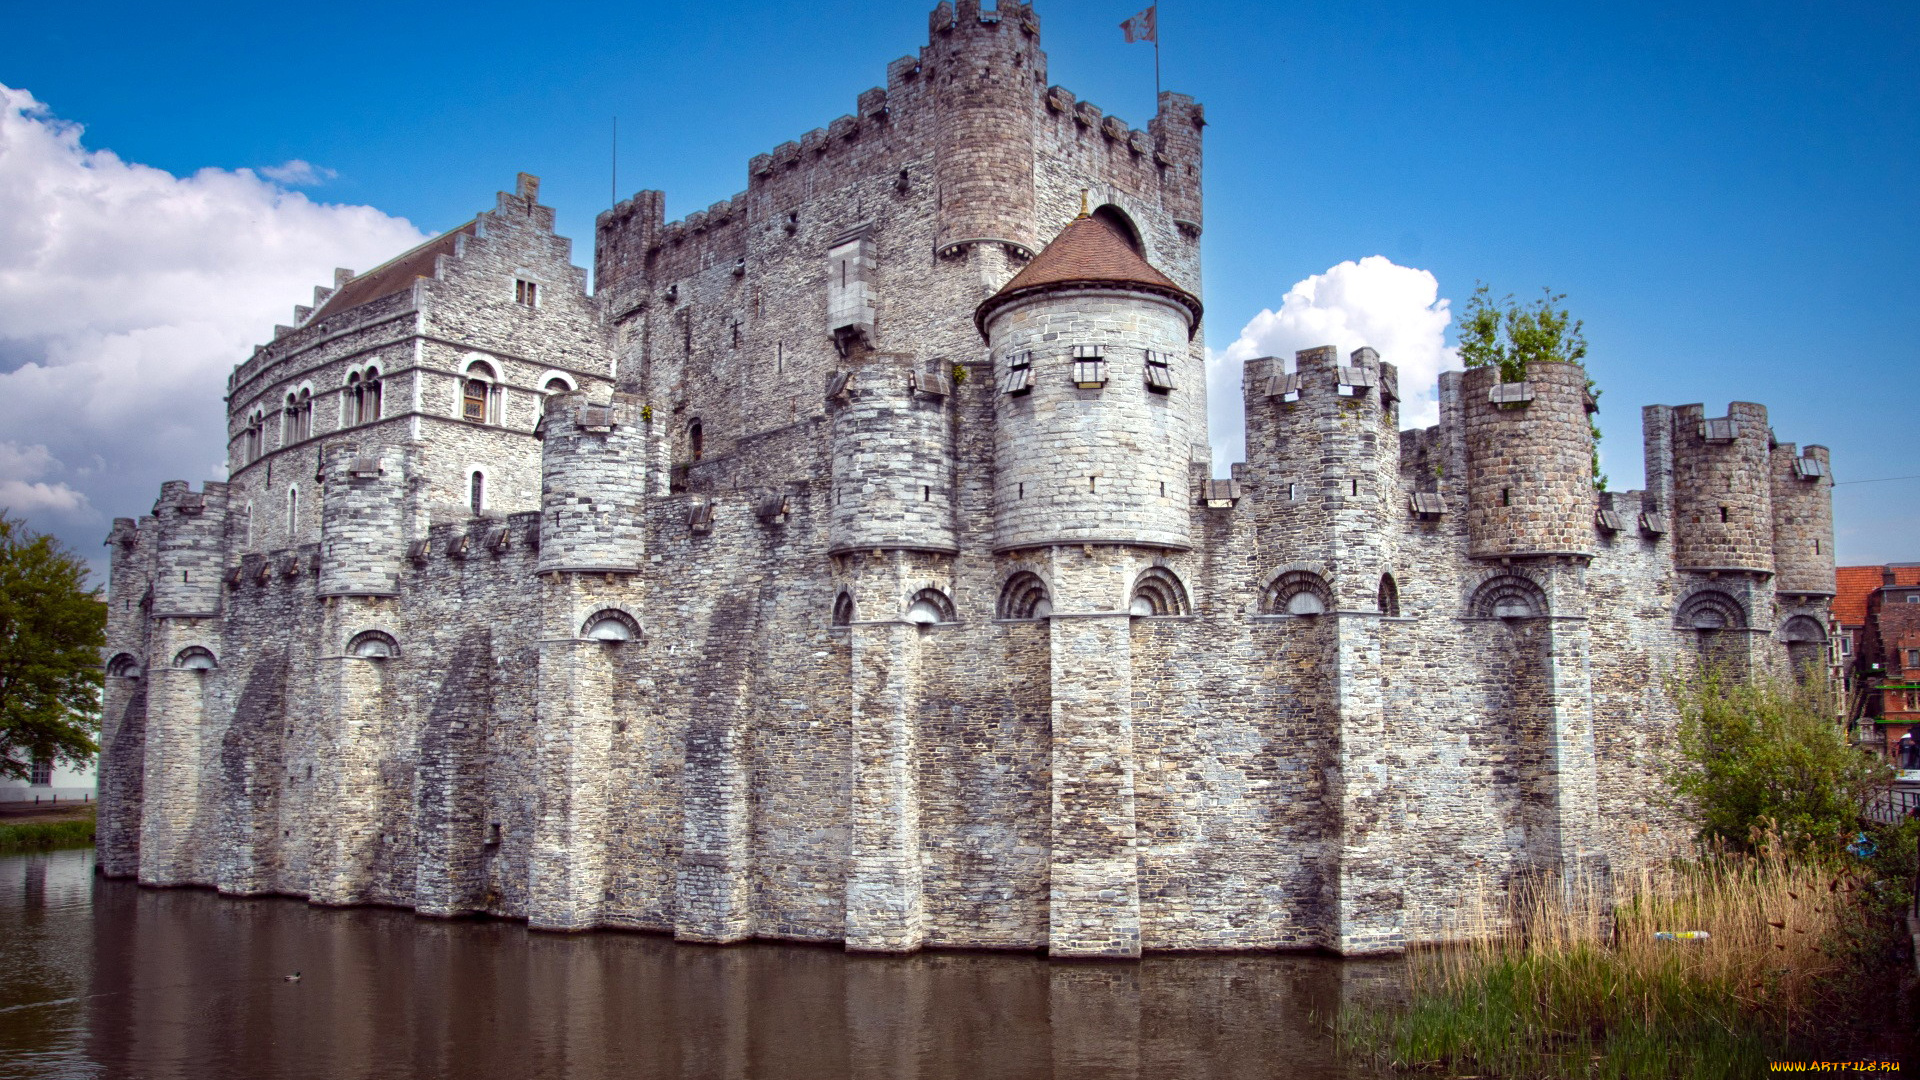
(1144, 26)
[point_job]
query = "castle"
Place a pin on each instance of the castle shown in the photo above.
(847, 567)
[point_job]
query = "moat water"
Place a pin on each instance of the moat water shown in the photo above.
(103, 978)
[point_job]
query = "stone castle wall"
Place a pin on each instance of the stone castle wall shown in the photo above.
(783, 617)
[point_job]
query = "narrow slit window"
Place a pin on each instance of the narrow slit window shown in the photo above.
(477, 494)
(1723, 515)
(1506, 496)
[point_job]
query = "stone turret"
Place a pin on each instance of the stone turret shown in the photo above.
(593, 483)
(1529, 462)
(892, 457)
(1176, 131)
(1802, 498)
(1722, 490)
(1323, 453)
(981, 65)
(362, 534)
(191, 549)
(1096, 398)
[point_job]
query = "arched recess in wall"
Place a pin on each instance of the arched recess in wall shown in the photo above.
(555, 382)
(195, 658)
(611, 626)
(1157, 592)
(1024, 596)
(373, 645)
(1296, 592)
(843, 610)
(929, 606)
(1508, 596)
(1806, 642)
(124, 666)
(1711, 609)
(1122, 223)
(1387, 599)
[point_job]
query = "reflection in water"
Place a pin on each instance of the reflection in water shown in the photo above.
(165, 983)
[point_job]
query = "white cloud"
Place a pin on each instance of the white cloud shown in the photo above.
(23, 489)
(1397, 310)
(127, 294)
(297, 173)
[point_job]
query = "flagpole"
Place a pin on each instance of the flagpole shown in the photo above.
(1156, 55)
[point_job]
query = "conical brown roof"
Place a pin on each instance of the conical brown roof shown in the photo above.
(1088, 252)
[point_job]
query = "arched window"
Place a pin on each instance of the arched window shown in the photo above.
(1711, 609)
(124, 666)
(373, 645)
(1297, 592)
(843, 609)
(477, 399)
(1024, 596)
(1508, 596)
(290, 421)
(930, 606)
(352, 402)
(696, 439)
(253, 440)
(1388, 598)
(195, 658)
(477, 491)
(299, 423)
(1158, 592)
(557, 384)
(293, 509)
(612, 626)
(370, 404)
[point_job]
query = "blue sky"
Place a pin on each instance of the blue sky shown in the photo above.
(1726, 194)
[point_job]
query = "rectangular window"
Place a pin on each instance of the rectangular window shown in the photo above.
(1846, 645)
(526, 292)
(42, 772)
(1159, 372)
(1089, 367)
(1913, 658)
(1019, 376)
(475, 405)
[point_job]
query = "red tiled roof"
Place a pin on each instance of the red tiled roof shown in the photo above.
(395, 274)
(1088, 251)
(1852, 585)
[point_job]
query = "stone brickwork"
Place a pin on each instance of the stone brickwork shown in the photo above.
(779, 611)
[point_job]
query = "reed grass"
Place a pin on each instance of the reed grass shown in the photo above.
(1566, 978)
(46, 835)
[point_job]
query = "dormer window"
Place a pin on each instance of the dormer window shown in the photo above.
(526, 292)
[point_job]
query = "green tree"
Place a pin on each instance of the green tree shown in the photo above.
(51, 630)
(1767, 754)
(1512, 336)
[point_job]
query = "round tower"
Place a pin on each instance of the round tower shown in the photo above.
(593, 483)
(1722, 493)
(981, 68)
(362, 539)
(892, 460)
(1097, 403)
(1802, 521)
(1323, 454)
(1529, 462)
(191, 550)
